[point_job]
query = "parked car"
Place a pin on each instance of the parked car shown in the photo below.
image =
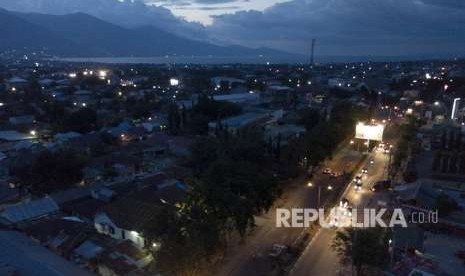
(358, 179)
(365, 170)
(333, 175)
(358, 186)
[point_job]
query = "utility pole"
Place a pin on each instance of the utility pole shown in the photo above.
(312, 57)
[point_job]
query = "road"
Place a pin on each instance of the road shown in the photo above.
(318, 258)
(250, 257)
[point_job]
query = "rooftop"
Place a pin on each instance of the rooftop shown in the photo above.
(27, 258)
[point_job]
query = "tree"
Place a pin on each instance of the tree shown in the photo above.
(233, 179)
(52, 171)
(309, 118)
(236, 191)
(83, 120)
(362, 247)
(190, 230)
(445, 205)
(174, 119)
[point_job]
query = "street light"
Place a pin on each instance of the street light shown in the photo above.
(330, 188)
(310, 184)
(352, 142)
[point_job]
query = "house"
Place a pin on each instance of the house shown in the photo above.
(62, 137)
(241, 98)
(16, 83)
(28, 258)
(60, 235)
(8, 193)
(228, 81)
(22, 120)
(125, 218)
(107, 256)
(14, 136)
(123, 259)
(284, 133)
(233, 124)
(29, 210)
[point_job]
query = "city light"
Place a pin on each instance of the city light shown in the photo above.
(102, 74)
(455, 108)
(310, 184)
(369, 132)
(174, 82)
(33, 132)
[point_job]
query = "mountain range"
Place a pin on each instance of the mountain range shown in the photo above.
(82, 35)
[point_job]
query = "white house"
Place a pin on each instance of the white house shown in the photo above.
(124, 219)
(104, 224)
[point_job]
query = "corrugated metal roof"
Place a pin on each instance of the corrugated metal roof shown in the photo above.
(30, 210)
(27, 258)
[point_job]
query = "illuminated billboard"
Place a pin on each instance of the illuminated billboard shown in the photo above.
(174, 82)
(372, 132)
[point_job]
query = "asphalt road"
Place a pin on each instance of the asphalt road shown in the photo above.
(250, 258)
(318, 257)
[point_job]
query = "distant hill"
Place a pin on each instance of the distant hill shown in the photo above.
(82, 35)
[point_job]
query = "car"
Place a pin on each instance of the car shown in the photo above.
(365, 170)
(380, 186)
(358, 186)
(333, 175)
(345, 202)
(372, 162)
(327, 171)
(358, 179)
(277, 250)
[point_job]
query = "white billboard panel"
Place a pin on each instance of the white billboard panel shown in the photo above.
(369, 132)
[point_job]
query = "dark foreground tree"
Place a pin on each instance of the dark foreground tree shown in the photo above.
(368, 247)
(52, 171)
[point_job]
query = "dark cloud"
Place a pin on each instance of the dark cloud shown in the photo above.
(446, 3)
(210, 8)
(341, 27)
(349, 27)
(190, 2)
